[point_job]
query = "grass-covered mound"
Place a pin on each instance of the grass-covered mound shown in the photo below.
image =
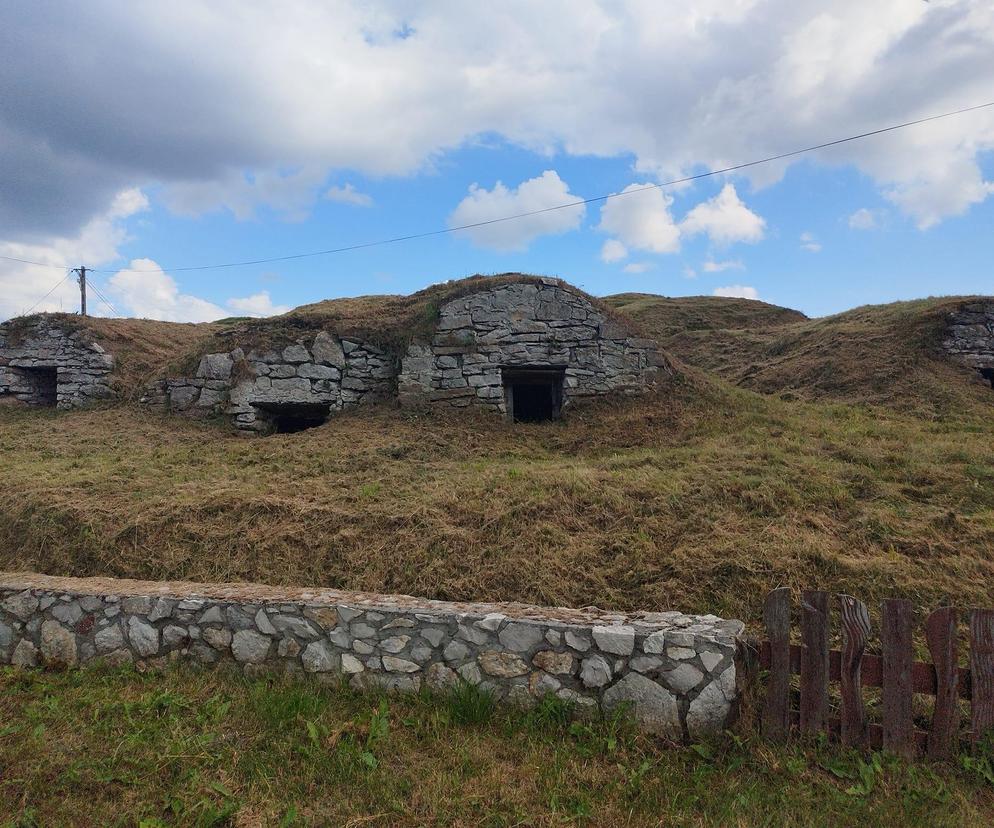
(700, 499)
(876, 354)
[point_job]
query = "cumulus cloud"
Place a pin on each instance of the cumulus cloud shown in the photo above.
(638, 267)
(144, 290)
(863, 219)
(382, 88)
(348, 195)
(613, 251)
(810, 243)
(544, 191)
(641, 219)
(736, 292)
(711, 266)
(724, 219)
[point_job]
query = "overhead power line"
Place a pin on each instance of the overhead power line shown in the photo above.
(567, 205)
(55, 287)
(36, 264)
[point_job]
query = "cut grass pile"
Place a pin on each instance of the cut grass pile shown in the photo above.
(103, 747)
(701, 499)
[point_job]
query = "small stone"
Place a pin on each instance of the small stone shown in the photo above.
(137, 606)
(654, 644)
(399, 665)
(683, 678)
(645, 664)
(58, 645)
(502, 665)
(90, 603)
(654, 707)
(440, 678)
(346, 614)
(470, 673)
(553, 662)
(680, 653)
(541, 684)
(161, 609)
(433, 637)
(218, 639)
(25, 654)
(520, 638)
(398, 623)
(350, 664)
(296, 354)
(617, 640)
(595, 671)
(578, 642)
(212, 615)
(455, 651)
(709, 660)
(23, 605)
(491, 622)
(474, 635)
(108, 639)
(67, 613)
(238, 619)
(325, 617)
(422, 654)
(263, 624)
(144, 637)
(362, 647)
(360, 630)
(6, 634)
(340, 638)
(288, 648)
(250, 647)
(395, 643)
(293, 625)
(707, 712)
(45, 602)
(318, 657)
(173, 636)
(554, 637)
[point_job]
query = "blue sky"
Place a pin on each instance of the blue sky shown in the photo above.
(361, 122)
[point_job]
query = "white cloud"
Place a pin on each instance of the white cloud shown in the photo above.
(864, 219)
(613, 251)
(689, 273)
(724, 219)
(641, 219)
(348, 195)
(638, 267)
(547, 190)
(332, 86)
(810, 243)
(736, 292)
(144, 290)
(711, 266)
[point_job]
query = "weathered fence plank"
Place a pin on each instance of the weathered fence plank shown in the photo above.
(814, 661)
(776, 707)
(855, 631)
(940, 633)
(981, 671)
(895, 638)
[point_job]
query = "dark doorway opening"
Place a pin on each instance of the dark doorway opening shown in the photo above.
(44, 385)
(533, 395)
(987, 374)
(289, 418)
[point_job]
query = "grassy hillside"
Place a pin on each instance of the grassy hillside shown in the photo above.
(877, 354)
(700, 499)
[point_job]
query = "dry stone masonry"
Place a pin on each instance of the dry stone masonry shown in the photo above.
(282, 389)
(970, 337)
(675, 673)
(48, 365)
(495, 344)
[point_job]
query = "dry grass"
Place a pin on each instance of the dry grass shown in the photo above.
(700, 499)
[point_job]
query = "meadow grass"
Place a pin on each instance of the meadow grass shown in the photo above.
(114, 747)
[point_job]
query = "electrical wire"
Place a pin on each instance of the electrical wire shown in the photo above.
(43, 298)
(577, 203)
(28, 262)
(92, 283)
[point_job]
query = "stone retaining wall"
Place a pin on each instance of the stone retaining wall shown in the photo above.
(970, 337)
(677, 671)
(45, 364)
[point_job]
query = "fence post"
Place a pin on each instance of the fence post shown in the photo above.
(895, 637)
(776, 706)
(855, 631)
(981, 672)
(814, 661)
(940, 632)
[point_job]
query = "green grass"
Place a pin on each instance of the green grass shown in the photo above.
(102, 747)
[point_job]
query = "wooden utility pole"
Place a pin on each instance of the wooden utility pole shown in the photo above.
(81, 272)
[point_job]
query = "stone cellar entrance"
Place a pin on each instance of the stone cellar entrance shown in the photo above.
(987, 374)
(533, 394)
(289, 418)
(43, 384)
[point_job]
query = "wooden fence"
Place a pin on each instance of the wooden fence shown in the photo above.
(895, 671)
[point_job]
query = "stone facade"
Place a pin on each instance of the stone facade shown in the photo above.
(970, 337)
(675, 672)
(312, 376)
(45, 364)
(483, 337)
